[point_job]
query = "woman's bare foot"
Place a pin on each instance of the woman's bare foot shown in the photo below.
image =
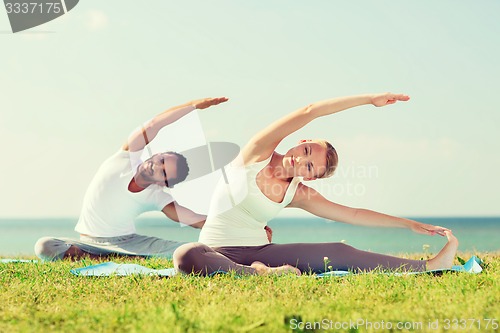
(266, 270)
(445, 257)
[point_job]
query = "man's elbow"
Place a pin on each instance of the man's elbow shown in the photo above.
(308, 109)
(195, 222)
(199, 225)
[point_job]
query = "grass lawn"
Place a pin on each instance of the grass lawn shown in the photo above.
(46, 297)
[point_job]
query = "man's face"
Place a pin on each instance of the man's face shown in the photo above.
(159, 168)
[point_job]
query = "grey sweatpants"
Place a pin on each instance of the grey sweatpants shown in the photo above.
(308, 257)
(51, 248)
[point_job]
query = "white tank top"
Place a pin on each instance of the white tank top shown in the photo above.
(239, 210)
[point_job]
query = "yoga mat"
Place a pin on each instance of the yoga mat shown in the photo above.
(8, 261)
(471, 266)
(111, 268)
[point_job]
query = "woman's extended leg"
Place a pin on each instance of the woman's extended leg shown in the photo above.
(318, 257)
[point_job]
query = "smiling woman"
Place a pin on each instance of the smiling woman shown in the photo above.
(317, 158)
(234, 238)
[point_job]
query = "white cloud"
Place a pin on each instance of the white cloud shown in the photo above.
(96, 20)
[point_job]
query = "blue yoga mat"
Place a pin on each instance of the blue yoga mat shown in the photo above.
(111, 268)
(8, 261)
(471, 266)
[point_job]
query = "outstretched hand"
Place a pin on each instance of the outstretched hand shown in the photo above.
(429, 229)
(388, 98)
(208, 102)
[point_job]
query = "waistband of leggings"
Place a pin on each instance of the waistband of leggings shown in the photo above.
(87, 238)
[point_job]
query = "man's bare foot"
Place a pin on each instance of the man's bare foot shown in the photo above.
(266, 270)
(445, 257)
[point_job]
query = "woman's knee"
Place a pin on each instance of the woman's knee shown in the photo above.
(342, 248)
(50, 249)
(188, 256)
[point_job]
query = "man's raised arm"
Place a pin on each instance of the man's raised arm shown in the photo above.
(139, 139)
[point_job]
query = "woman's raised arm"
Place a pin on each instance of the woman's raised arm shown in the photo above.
(265, 142)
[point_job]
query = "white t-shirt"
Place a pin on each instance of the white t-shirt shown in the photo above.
(109, 208)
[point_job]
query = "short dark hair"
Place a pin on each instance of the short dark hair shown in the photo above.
(182, 169)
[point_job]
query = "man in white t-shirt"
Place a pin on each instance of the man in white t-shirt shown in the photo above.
(125, 187)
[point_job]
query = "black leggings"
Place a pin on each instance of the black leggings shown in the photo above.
(308, 257)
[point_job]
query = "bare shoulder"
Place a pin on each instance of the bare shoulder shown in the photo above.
(304, 194)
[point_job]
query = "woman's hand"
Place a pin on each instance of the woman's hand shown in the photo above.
(269, 233)
(388, 98)
(428, 229)
(208, 102)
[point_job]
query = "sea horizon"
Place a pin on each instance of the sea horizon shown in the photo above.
(475, 233)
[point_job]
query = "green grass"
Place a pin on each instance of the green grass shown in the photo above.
(46, 297)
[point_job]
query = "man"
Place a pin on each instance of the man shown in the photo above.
(125, 187)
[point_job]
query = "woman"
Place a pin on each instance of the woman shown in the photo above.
(233, 238)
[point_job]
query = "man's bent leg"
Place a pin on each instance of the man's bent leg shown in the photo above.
(130, 245)
(52, 249)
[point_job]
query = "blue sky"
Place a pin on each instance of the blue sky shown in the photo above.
(73, 89)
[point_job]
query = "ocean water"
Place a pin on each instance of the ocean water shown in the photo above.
(17, 236)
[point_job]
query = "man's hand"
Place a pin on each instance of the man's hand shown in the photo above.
(388, 98)
(208, 102)
(269, 233)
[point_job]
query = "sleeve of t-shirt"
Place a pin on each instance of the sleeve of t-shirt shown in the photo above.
(162, 199)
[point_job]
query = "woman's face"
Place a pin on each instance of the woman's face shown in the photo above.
(308, 160)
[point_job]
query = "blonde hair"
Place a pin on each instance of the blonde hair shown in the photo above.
(332, 159)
